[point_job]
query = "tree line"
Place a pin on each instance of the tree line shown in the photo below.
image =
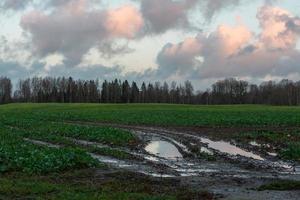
(69, 90)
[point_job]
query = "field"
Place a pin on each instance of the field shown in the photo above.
(157, 114)
(52, 150)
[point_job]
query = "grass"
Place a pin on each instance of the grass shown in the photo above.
(86, 184)
(107, 135)
(19, 155)
(37, 189)
(270, 136)
(281, 185)
(292, 151)
(60, 134)
(157, 114)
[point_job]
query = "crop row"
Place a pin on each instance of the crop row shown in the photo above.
(19, 155)
(152, 114)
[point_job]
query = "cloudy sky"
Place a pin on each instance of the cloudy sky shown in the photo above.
(198, 40)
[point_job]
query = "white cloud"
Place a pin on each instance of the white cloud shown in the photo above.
(73, 29)
(236, 51)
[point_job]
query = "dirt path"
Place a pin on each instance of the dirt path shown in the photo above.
(233, 173)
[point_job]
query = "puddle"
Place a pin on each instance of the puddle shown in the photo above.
(163, 149)
(228, 148)
(161, 137)
(221, 146)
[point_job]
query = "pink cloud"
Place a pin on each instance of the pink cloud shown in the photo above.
(275, 32)
(125, 21)
(236, 51)
(73, 28)
(233, 38)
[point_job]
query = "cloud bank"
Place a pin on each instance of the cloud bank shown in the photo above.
(73, 29)
(236, 51)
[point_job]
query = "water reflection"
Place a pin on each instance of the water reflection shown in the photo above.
(226, 147)
(163, 149)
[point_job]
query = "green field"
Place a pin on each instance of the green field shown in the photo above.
(29, 170)
(156, 114)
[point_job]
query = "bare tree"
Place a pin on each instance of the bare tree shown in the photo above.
(227, 91)
(5, 90)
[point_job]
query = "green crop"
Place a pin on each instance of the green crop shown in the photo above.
(156, 114)
(19, 155)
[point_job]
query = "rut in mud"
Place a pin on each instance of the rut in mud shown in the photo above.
(198, 161)
(173, 153)
(227, 159)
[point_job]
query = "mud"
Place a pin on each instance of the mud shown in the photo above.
(234, 173)
(42, 143)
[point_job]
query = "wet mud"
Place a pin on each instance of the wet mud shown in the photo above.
(225, 168)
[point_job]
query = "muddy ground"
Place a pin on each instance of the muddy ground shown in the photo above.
(201, 159)
(209, 160)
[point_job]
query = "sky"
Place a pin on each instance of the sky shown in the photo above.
(151, 40)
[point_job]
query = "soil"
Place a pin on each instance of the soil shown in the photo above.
(227, 176)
